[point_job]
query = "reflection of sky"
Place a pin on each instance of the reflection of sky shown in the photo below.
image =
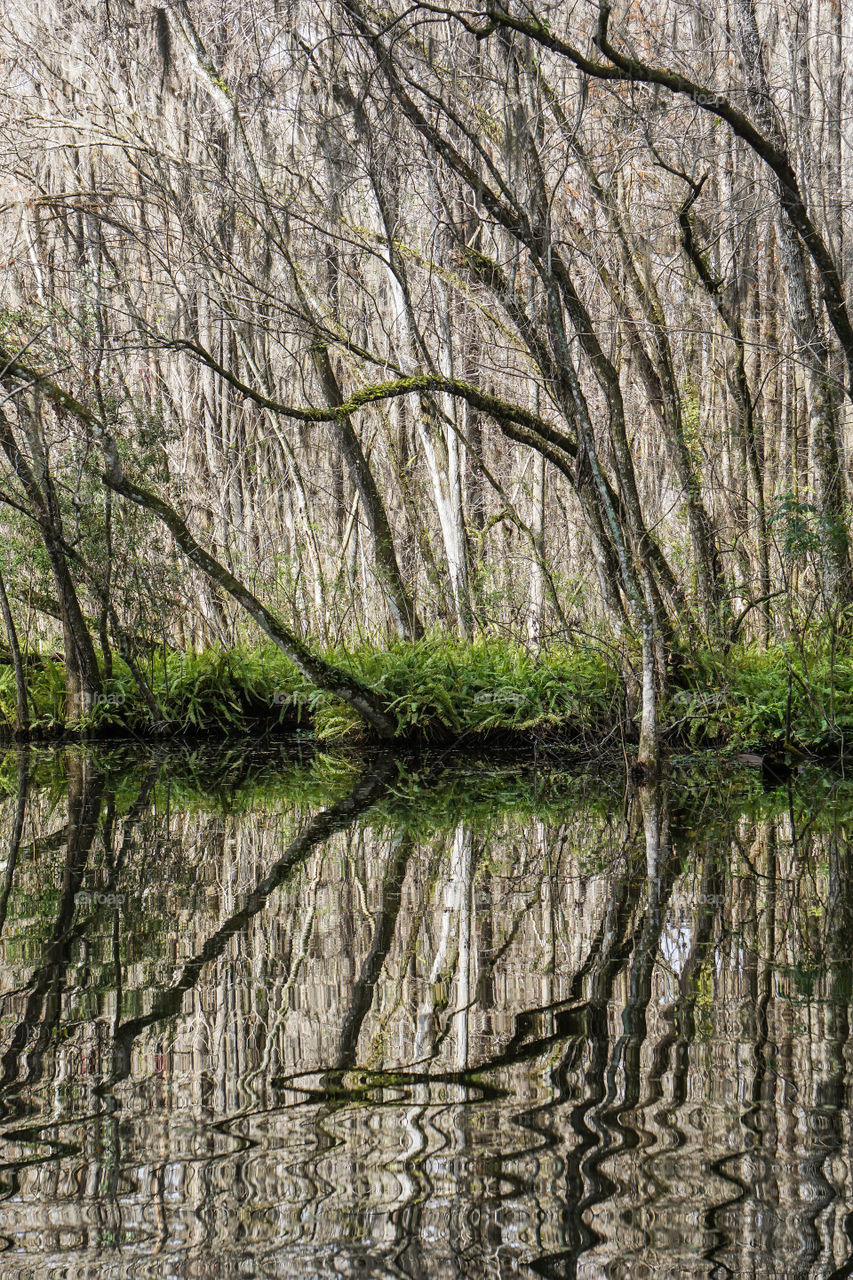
(675, 944)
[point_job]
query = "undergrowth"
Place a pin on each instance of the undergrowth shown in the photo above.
(441, 690)
(754, 697)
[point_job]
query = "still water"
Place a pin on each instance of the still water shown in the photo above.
(315, 1016)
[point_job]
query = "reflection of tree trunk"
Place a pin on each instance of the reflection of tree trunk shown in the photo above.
(458, 904)
(461, 871)
(587, 1183)
(17, 830)
(660, 871)
(44, 1005)
(826, 1130)
(656, 831)
(681, 1013)
(761, 1117)
(383, 935)
(167, 1003)
(587, 1026)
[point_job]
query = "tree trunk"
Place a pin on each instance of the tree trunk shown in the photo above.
(827, 476)
(325, 675)
(537, 528)
(648, 756)
(21, 702)
(82, 676)
(403, 612)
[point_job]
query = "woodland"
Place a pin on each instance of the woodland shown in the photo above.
(420, 372)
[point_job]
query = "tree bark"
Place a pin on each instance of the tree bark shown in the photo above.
(827, 476)
(21, 697)
(403, 612)
(324, 675)
(82, 675)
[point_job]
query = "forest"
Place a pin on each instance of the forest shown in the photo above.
(426, 372)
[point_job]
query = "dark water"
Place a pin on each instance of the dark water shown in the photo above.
(308, 1016)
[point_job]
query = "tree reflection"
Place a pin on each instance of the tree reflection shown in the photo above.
(461, 1047)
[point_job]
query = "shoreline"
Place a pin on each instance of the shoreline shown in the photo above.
(528, 749)
(443, 694)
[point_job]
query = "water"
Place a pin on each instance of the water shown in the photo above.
(302, 1015)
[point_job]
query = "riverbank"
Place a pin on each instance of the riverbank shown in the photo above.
(440, 691)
